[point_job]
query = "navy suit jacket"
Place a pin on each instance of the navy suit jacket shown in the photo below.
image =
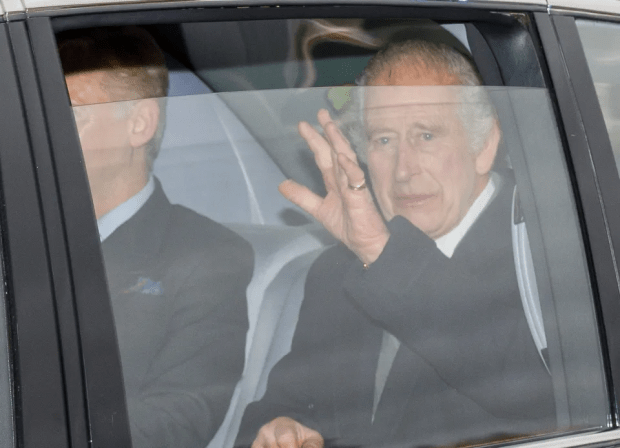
(178, 286)
(467, 369)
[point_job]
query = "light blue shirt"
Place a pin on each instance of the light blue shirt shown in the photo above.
(112, 220)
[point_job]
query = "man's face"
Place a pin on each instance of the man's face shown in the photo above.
(419, 158)
(104, 129)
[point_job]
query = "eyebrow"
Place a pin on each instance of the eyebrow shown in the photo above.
(404, 104)
(433, 127)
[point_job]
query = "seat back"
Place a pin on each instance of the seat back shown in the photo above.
(209, 162)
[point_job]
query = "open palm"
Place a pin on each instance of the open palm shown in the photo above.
(348, 213)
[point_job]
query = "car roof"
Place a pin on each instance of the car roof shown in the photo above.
(11, 7)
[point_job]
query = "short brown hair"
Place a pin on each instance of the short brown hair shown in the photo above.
(131, 58)
(129, 53)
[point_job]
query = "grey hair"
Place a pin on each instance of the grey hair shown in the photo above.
(475, 110)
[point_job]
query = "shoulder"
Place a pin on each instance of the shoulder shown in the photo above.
(185, 220)
(189, 233)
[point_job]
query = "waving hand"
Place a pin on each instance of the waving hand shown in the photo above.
(347, 211)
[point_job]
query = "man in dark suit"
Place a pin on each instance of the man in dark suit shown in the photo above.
(412, 331)
(177, 280)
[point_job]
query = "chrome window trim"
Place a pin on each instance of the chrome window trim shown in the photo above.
(592, 439)
(581, 14)
(604, 7)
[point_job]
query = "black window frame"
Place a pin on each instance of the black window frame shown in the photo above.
(595, 179)
(40, 407)
(100, 417)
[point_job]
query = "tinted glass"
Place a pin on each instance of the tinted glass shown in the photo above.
(598, 39)
(459, 311)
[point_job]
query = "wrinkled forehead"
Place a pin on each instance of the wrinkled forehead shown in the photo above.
(380, 97)
(389, 100)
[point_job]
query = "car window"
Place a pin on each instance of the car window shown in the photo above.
(597, 38)
(418, 278)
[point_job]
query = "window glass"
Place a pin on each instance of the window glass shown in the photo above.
(416, 277)
(598, 40)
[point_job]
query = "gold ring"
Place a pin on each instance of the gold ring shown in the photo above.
(358, 187)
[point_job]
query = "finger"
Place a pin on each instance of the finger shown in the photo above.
(352, 174)
(324, 117)
(334, 135)
(259, 442)
(264, 440)
(310, 438)
(341, 146)
(301, 196)
(286, 436)
(320, 147)
(266, 437)
(322, 151)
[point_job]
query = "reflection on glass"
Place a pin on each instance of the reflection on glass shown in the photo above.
(430, 341)
(598, 39)
(419, 328)
(177, 282)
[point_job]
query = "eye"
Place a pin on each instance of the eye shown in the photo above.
(381, 141)
(427, 136)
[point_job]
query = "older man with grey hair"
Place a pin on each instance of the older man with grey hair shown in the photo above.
(412, 331)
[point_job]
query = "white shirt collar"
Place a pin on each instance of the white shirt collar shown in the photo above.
(447, 243)
(112, 220)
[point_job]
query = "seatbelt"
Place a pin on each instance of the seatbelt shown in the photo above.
(526, 278)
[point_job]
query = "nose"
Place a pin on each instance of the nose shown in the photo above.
(407, 161)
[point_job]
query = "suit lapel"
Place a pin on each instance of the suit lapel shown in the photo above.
(133, 248)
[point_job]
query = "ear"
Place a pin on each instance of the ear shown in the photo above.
(486, 157)
(143, 122)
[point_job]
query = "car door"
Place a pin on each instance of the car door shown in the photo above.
(524, 55)
(585, 41)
